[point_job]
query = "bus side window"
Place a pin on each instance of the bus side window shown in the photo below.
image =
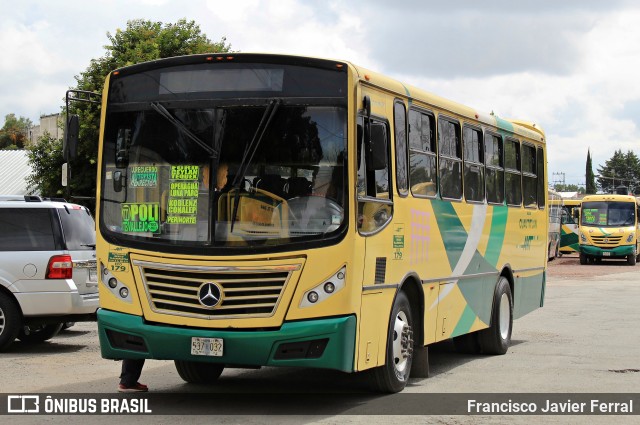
(513, 175)
(450, 152)
(473, 164)
(373, 180)
(494, 169)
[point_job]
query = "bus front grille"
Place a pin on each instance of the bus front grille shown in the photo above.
(606, 241)
(244, 292)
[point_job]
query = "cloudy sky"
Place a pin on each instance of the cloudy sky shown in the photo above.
(570, 66)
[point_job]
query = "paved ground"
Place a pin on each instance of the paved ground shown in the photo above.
(584, 340)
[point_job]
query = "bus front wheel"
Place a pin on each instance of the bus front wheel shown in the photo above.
(497, 337)
(198, 372)
(631, 259)
(583, 258)
(393, 376)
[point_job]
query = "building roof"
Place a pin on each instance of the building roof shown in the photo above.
(14, 170)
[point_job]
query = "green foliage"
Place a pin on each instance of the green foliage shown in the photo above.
(620, 169)
(140, 41)
(590, 177)
(45, 157)
(14, 132)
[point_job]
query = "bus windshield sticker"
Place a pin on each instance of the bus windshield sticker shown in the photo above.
(140, 217)
(182, 205)
(143, 176)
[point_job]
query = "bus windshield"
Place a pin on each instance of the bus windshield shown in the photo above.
(608, 214)
(215, 172)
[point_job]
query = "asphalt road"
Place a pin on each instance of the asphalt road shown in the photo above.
(586, 339)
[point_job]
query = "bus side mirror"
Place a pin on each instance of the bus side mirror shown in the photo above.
(377, 155)
(70, 142)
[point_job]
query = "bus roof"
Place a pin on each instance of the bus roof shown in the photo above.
(610, 197)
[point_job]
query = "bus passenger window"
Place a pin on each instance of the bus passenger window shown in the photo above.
(513, 176)
(473, 165)
(422, 154)
(495, 169)
(529, 179)
(450, 159)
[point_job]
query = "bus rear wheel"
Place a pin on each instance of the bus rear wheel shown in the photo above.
(393, 376)
(497, 337)
(198, 372)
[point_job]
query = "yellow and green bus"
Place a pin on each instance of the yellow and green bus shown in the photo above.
(363, 219)
(569, 239)
(609, 228)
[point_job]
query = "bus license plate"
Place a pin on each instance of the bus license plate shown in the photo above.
(206, 346)
(606, 254)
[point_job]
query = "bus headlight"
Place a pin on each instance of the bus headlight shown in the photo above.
(325, 289)
(114, 285)
(583, 239)
(630, 238)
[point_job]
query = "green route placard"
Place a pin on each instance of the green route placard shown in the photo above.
(182, 205)
(143, 176)
(141, 217)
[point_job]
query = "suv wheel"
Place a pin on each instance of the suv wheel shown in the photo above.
(10, 322)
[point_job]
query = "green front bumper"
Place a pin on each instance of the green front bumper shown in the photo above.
(241, 347)
(619, 251)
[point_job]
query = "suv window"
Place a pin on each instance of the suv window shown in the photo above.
(26, 230)
(78, 228)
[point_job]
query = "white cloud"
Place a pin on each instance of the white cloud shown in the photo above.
(570, 66)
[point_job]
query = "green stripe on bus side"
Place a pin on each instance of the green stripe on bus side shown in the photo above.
(568, 239)
(496, 236)
(466, 321)
(454, 236)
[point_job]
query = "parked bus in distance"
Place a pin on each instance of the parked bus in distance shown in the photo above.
(609, 228)
(555, 213)
(362, 219)
(569, 239)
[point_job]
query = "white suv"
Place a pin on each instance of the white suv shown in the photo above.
(47, 267)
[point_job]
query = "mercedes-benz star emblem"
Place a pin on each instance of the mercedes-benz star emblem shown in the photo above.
(210, 294)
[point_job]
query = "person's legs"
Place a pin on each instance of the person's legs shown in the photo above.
(131, 371)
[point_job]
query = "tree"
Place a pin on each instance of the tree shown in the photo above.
(15, 132)
(620, 169)
(141, 41)
(45, 157)
(590, 177)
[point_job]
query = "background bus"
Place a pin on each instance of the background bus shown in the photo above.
(569, 239)
(363, 219)
(609, 228)
(555, 214)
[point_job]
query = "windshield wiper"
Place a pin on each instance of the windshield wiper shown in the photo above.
(250, 151)
(164, 113)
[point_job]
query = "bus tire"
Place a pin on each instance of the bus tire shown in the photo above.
(37, 334)
(198, 372)
(10, 321)
(631, 259)
(393, 376)
(583, 258)
(497, 337)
